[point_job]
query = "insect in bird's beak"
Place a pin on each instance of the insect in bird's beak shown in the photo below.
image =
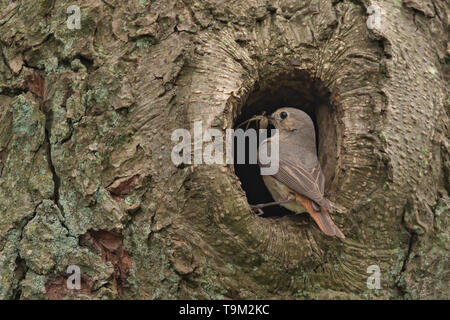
(263, 121)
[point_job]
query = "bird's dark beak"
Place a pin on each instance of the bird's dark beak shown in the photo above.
(271, 119)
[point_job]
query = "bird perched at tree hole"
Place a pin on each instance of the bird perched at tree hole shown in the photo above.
(299, 183)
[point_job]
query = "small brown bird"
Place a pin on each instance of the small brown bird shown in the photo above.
(299, 183)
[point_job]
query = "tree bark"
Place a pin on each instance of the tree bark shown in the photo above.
(86, 178)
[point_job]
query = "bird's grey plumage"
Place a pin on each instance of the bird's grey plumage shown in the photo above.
(299, 167)
(299, 183)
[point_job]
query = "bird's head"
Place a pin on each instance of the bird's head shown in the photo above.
(291, 119)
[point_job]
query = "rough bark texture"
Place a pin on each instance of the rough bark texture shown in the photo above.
(86, 177)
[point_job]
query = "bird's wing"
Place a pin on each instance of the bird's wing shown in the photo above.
(299, 178)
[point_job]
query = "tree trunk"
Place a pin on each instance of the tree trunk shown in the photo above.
(86, 177)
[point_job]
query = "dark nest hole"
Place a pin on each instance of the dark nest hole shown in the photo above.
(296, 90)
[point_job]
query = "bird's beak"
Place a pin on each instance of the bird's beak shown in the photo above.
(271, 119)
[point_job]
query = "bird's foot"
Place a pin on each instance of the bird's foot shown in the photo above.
(257, 209)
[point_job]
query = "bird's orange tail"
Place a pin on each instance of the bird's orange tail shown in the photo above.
(322, 218)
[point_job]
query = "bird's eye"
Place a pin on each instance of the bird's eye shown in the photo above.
(283, 115)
